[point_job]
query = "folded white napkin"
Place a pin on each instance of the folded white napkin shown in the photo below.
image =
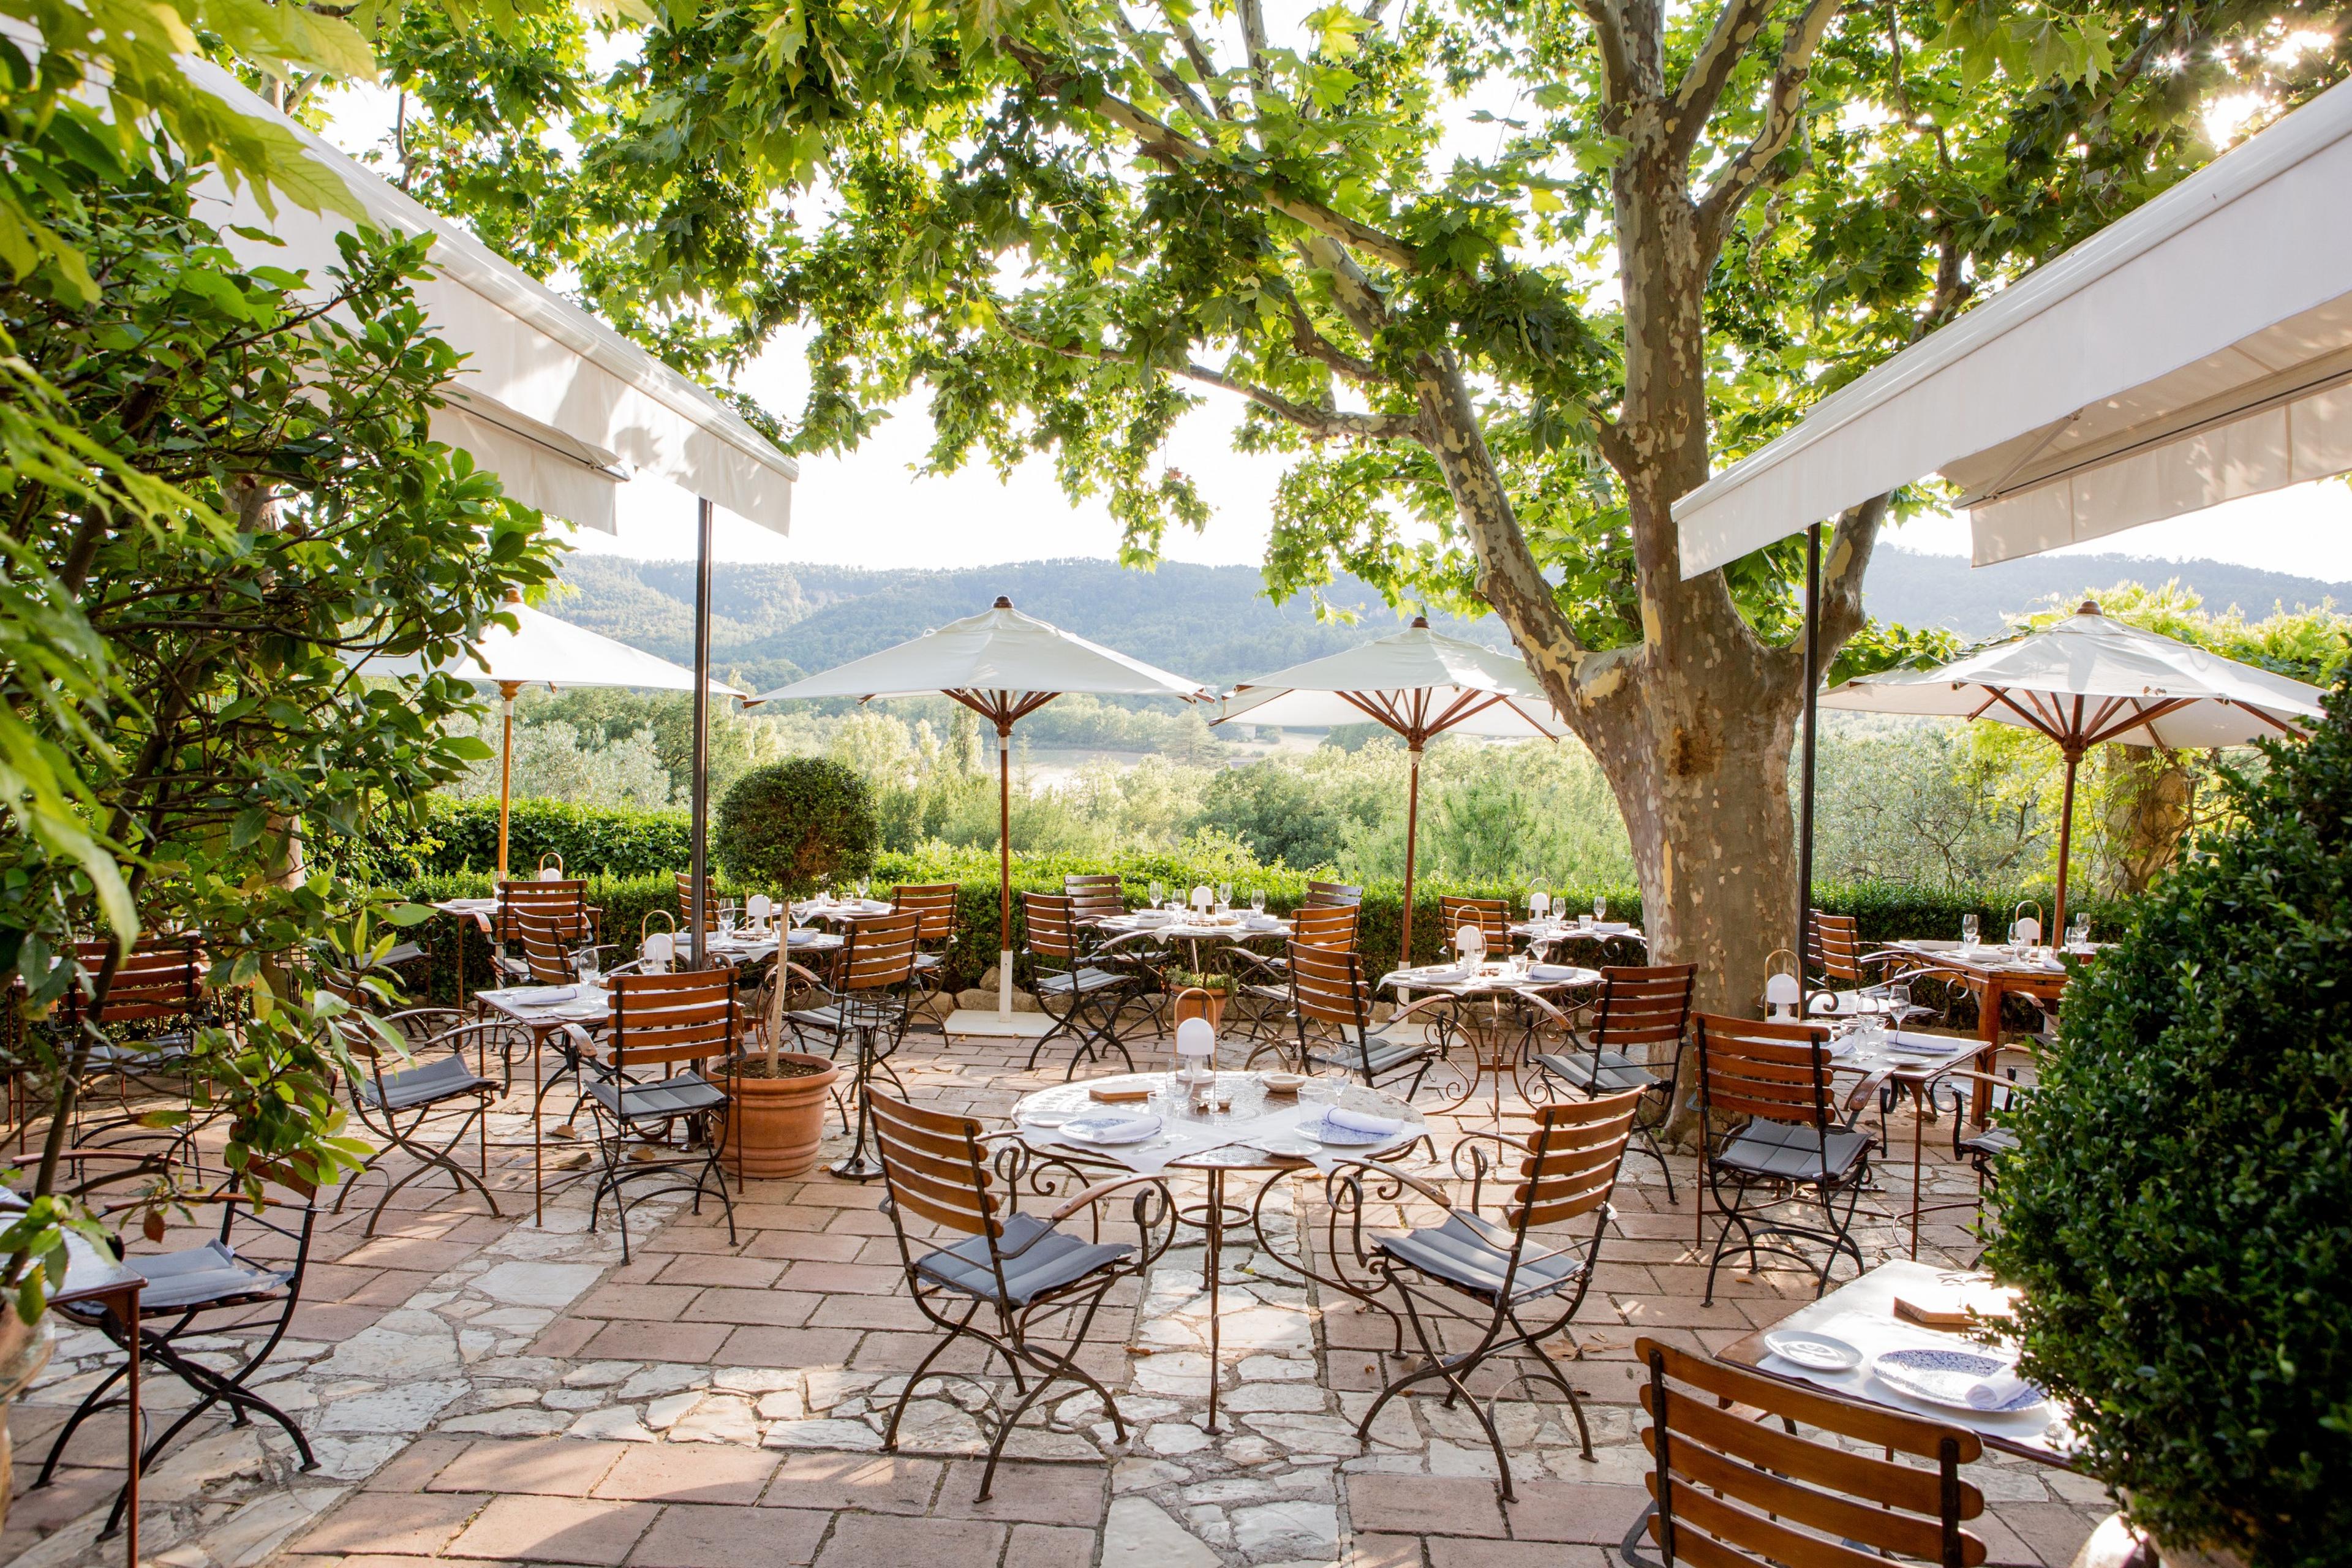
(2000, 1390)
(1102, 1124)
(1549, 972)
(1362, 1121)
(541, 996)
(1438, 976)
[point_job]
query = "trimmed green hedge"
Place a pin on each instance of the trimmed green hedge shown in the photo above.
(628, 887)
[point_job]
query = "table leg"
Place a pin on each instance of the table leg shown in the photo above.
(538, 1139)
(1918, 1117)
(130, 1399)
(1988, 1056)
(1216, 1230)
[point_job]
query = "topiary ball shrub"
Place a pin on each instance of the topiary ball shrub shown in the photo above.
(2179, 1212)
(792, 827)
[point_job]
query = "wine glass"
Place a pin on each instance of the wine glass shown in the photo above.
(2078, 932)
(1599, 907)
(588, 966)
(865, 889)
(1968, 930)
(1159, 894)
(1257, 900)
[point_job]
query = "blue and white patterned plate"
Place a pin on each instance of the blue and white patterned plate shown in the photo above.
(1945, 1377)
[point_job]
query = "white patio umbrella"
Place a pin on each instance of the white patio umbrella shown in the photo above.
(2090, 680)
(1417, 682)
(1003, 665)
(543, 648)
(562, 407)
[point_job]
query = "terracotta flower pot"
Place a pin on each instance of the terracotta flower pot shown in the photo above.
(1193, 1002)
(774, 1124)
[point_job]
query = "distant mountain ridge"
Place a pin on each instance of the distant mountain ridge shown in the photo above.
(774, 622)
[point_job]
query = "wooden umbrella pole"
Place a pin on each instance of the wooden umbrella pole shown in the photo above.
(2057, 931)
(507, 689)
(1412, 833)
(1003, 868)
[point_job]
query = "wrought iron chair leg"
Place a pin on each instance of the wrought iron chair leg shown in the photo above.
(906, 1395)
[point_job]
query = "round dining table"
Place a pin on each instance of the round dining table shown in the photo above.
(1515, 999)
(1270, 1137)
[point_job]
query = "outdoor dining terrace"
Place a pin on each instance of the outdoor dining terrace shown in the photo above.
(510, 1387)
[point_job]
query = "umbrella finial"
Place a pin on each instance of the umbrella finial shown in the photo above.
(1420, 623)
(1003, 603)
(2090, 607)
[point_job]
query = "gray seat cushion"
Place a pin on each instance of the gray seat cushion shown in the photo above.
(428, 1083)
(201, 1275)
(1387, 1055)
(1080, 981)
(1790, 1152)
(1044, 1258)
(1474, 1254)
(1992, 1143)
(1612, 1072)
(658, 1099)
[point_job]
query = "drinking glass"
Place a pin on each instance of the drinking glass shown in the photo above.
(863, 888)
(586, 965)
(1599, 907)
(2078, 931)
(1224, 895)
(1257, 900)
(1159, 894)
(1969, 928)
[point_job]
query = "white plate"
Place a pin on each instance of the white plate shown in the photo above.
(1111, 1129)
(541, 996)
(1944, 1377)
(1816, 1353)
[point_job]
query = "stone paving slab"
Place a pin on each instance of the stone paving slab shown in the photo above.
(489, 1390)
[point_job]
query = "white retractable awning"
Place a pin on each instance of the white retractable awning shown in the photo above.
(557, 403)
(2197, 351)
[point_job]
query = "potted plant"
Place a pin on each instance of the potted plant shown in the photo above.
(793, 827)
(1199, 995)
(2175, 1212)
(776, 1101)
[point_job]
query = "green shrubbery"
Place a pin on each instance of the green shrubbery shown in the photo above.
(795, 827)
(2180, 1210)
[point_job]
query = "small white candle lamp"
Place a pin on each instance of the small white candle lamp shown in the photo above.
(1196, 1050)
(1781, 997)
(759, 907)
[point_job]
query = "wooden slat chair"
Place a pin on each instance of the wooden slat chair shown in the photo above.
(1265, 978)
(1011, 1266)
(1331, 1007)
(1087, 995)
(1835, 951)
(647, 1093)
(1640, 1020)
(1772, 1132)
(563, 903)
(933, 905)
(1734, 1484)
(1096, 896)
(1491, 916)
(155, 1003)
(864, 1004)
(425, 1109)
(1496, 1276)
(1332, 893)
(711, 902)
(195, 1292)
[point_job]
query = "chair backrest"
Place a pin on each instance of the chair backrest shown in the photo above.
(932, 904)
(661, 1018)
(565, 902)
(1327, 986)
(1095, 894)
(879, 953)
(1570, 1164)
(1052, 921)
(1733, 1489)
(545, 951)
(1334, 893)
(685, 880)
(1775, 1072)
(934, 1166)
(1325, 925)
(1643, 1006)
(1835, 942)
(159, 977)
(1492, 916)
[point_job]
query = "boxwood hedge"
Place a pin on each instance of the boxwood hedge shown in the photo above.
(2180, 1210)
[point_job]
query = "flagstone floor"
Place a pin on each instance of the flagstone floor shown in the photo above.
(489, 1390)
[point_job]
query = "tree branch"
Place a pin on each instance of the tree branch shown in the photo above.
(1158, 141)
(1169, 82)
(1735, 26)
(1312, 344)
(1782, 104)
(1351, 290)
(1202, 65)
(1254, 38)
(1849, 548)
(1608, 19)
(1322, 423)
